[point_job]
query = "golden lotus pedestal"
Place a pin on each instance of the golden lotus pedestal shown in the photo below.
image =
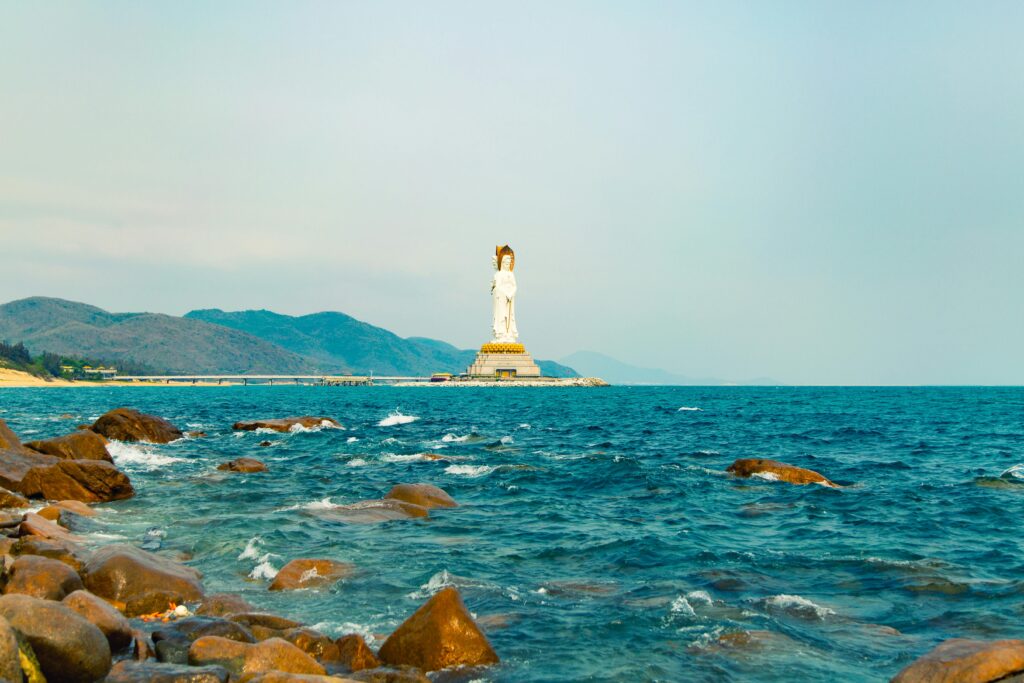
(497, 360)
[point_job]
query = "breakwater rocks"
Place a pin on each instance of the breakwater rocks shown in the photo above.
(118, 613)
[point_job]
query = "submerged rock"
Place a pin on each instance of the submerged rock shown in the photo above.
(775, 470)
(371, 511)
(286, 424)
(244, 659)
(103, 616)
(80, 445)
(89, 481)
(42, 578)
(966, 661)
(441, 633)
(424, 495)
(127, 424)
(69, 648)
(155, 672)
(138, 582)
(310, 573)
(243, 465)
(354, 653)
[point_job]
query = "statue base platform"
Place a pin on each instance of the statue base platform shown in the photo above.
(503, 361)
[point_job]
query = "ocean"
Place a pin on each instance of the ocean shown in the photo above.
(598, 536)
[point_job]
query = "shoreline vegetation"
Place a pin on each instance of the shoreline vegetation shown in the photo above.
(78, 613)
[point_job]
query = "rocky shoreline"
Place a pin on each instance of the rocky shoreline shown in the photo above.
(122, 614)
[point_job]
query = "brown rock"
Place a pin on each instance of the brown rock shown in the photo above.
(966, 661)
(747, 467)
(196, 435)
(34, 525)
(9, 499)
(310, 573)
(81, 445)
(272, 621)
(142, 646)
(16, 463)
(390, 674)
(8, 439)
(264, 444)
(424, 495)
(313, 643)
(69, 648)
(142, 582)
(172, 642)
(285, 424)
(126, 424)
(156, 672)
(354, 653)
(222, 605)
(62, 550)
(74, 506)
(42, 578)
(7, 545)
(244, 659)
(103, 616)
(243, 465)
(371, 511)
(439, 634)
(90, 481)
(278, 677)
(10, 662)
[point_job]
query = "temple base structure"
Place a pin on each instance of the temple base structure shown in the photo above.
(503, 361)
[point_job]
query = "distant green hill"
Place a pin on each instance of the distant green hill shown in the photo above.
(164, 342)
(340, 343)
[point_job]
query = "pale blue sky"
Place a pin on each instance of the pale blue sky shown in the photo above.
(817, 192)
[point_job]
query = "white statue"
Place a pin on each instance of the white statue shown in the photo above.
(503, 291)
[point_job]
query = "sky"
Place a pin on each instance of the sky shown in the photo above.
(816, 192)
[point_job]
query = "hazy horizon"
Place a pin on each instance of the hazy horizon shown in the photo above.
(821, 195)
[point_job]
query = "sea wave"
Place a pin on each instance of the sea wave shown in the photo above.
(1015, 472)
(469, 470)
(397, 418)
(264, 569)
(252, 549)
(686, 409)
(797, 606)
(131, 456)
(357, 462)
(454, 438)
(322, 504)
(324, 424)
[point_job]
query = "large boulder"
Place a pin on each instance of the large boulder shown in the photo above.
(242, 465)
(263, 625)
(354, 653)
(69, 648)
(315, 644)
(441, 633)
(138, 582)
(58, 549)
(310, 573)
(156, 672)
(16, 463)
(80, 445)
(42, 577)
(966, 661)
(244, 659)
(8, 439)
(424, 495)
(89, 481)
(36, 525)
(103, 616)
(10, 661)
(173, 641)
(126, 424)
(287, 424)
(776, 471)
(9, 499)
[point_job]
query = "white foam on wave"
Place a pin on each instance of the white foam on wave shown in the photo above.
(322, 504)
(351, 439)
(298, 427)
(396, 457)
(469, 470)
(799, 606)
(1017, 472)
(682, 606)
(396, 418)
(252, 549)
(525, 425)
(685, 409)
(264, 570)
(357, 462)
(699, 596)
(262, 430)
(768, 476)
(441, 579)
(454, 438)
(135, 456)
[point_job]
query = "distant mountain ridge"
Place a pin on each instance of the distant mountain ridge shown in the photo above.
(594, 364)
(245, 342)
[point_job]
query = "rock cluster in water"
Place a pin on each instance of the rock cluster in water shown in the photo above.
(122, 614)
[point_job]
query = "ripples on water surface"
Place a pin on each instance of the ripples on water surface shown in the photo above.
(598, 537)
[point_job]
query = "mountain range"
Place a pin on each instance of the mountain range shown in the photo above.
(214, 341)
(594, 364)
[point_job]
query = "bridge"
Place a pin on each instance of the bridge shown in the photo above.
(322, 380)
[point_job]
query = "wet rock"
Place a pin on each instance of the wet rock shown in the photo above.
(223, 604)
(8, 439)
(9, 499)
(196, 435)
(34, 525)
(155, 672)
(126, 424)
(173, 641)
(89, 481)
(244, 659)
(81, 445)
(372, 511)
(243, 465)
(390, 674)
(354, 653)
(966, 661)
(16, 463)
(264, 626)
(264, 444)
(138, 582)
(142, 646)
(313, 643)
(278, 677)
(310, 573)
(55, 511)
(69, 648)
(439, 634)
(153, 539)
(775, 470)
(103, 616)
(10, 663)
(424, 495)
(57, 549)
(42, 578)
(286, 424)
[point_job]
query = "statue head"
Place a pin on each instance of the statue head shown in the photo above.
(502, 253)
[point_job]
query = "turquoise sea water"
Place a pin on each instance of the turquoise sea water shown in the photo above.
(598, 537)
